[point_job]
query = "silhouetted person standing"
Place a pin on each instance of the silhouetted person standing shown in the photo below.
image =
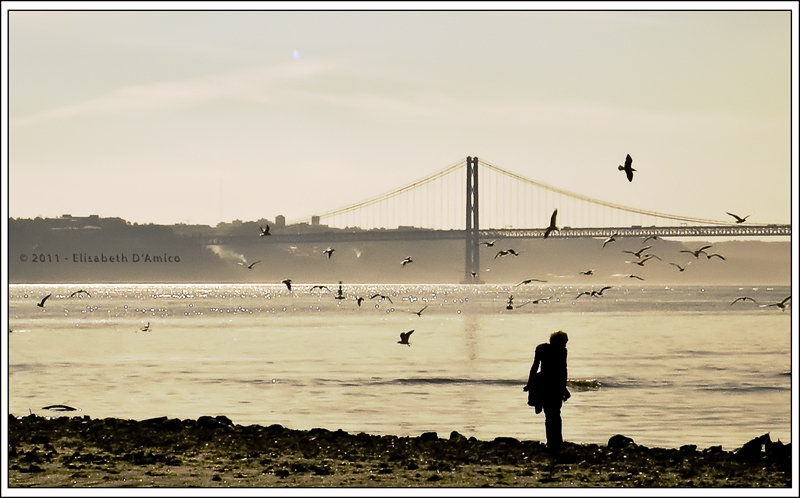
(548, 386)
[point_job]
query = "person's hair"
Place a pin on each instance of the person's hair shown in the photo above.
(559, 338)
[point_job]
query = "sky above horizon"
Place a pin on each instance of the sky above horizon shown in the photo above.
(207, 117)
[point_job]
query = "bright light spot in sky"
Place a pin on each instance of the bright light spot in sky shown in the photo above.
(296, 54)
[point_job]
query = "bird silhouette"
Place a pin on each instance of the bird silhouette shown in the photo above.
(638, 253)
(584, 293)
(419, 313)
(641, 262)
(41, 303)
(381, 296)
(697, 252)
(329, 252)
(529, 280)
(738, 218)
(629, 276)
(251, 265)
(264, 231)
(613, 238)
(505, 252)
(600, 292)
(709, 256)
(487, 244)
(744, 298)
(79, 292)
(320, 287)
(287, 282)
(627, 168)
(359, 300)
(404, 337)
(781, 305)
(146, 328)
(407, 261)
(679, 267)
(552, 226)
(587, 272)
(654, 237)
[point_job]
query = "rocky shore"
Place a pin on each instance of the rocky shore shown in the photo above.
(214, 452)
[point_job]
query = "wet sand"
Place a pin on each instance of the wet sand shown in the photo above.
(213, 452)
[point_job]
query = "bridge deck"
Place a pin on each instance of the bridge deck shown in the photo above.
(337, 235)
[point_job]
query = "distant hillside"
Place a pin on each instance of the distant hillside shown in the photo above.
(111, 250)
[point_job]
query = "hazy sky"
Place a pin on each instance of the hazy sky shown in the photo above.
(202, 117)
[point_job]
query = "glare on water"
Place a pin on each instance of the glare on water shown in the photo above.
(665, 366)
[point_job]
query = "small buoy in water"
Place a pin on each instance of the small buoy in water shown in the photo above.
(274, 380)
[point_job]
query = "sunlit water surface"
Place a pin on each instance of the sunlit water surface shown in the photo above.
(665, 366)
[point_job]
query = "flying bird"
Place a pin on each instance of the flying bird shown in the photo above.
(629, 276)
(41, 303)
(552, 226)
(329, 252)
(600, 292)
(419, 313)
(251, 265)
(587, 293)
(529, 280)
(654, 237)
(613, 238)
(638, 253)
(359, 299)
(697, 252)
(404, 337)
(287, 282)
(744, 298)
(407, 261)
(146, 328)
(264, 231)
(488, 244)
(381, 296)
(739, 219)
(641, 262)
(78, 292)
(709, 256)
(781, 305)
(627, 168)
(505, 252)
(587, 272)
(679, 267)
(320, 287)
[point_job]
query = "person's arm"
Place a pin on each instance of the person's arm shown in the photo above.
(534, 369)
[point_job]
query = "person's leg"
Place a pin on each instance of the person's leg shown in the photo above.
(552, 425)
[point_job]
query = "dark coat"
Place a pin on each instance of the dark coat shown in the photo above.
(548, 385)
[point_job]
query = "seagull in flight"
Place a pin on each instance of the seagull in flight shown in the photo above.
(404, 337)
(587, 293)
(709, 256)
(654, 237)
(419, 313)
(407, 261)
(613, 238)
(679, 267)
(251, 265)
(288, 283)
(627, 168)
(146, 328)
(488, 244)
(264, 231)
(600, 292)
(629, 276)
(505, 252)
(78, 292)
(641, 262)
(638, 253)
(588, 272)
(781, 305)
(359, 299)
(744, 298)
(552, 224)
(381, 296)
(697, 252)
(529, 280)
(41, 303)
(738, 218)
(329, 252)
(320, 287)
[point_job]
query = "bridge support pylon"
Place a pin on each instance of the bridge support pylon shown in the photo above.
(472, 261)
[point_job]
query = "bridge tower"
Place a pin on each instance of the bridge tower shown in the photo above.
(472, 262)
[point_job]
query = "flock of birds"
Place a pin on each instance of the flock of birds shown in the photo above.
(642, 257)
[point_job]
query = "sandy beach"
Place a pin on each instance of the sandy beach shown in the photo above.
(214, 452)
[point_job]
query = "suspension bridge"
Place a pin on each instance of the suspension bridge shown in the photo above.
(499, 204)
